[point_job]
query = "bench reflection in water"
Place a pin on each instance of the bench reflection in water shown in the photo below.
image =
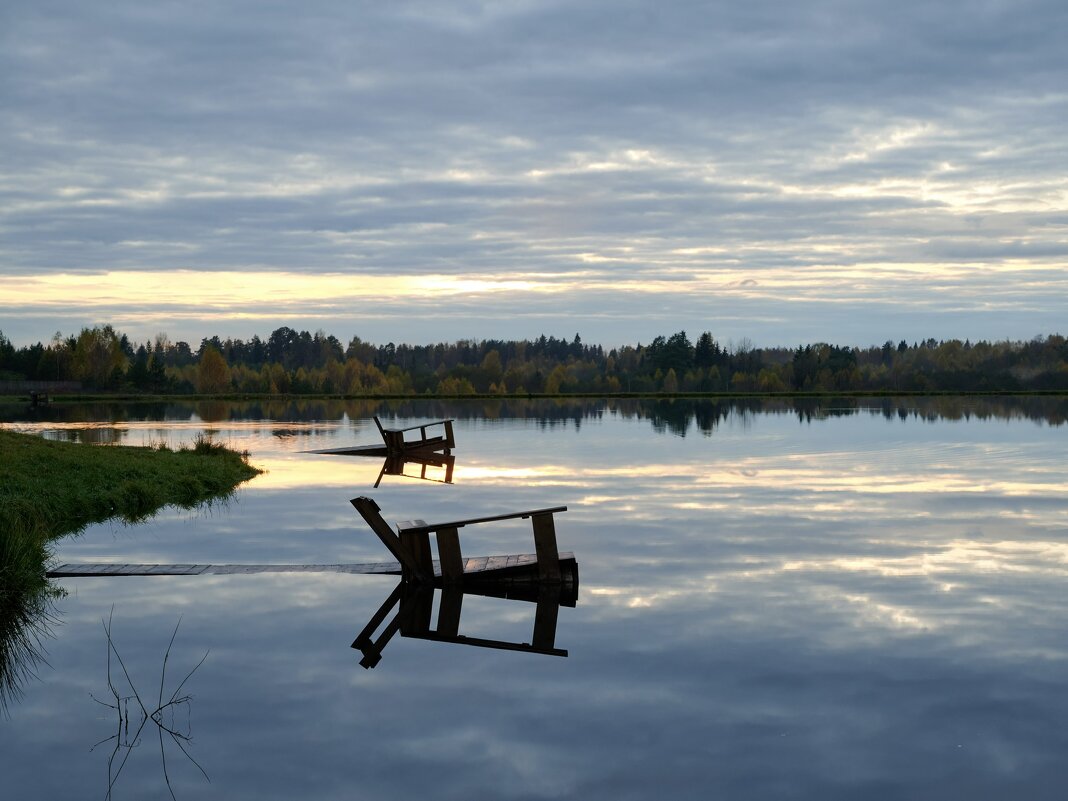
(415, 613)
(428, 466)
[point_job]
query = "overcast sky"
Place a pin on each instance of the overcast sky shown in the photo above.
(784, 171)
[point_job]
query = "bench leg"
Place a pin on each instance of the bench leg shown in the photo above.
(452, 599)
(545, 617)
(545, 547)
(452, 562)
(371, 648)
(416, 609)
(417, 545)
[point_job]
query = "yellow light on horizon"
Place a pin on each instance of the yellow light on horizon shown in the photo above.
(263, 293)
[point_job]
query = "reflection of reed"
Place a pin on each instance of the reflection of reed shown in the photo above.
(27, 614)
(163, 716)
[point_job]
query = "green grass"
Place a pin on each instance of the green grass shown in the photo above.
(49, 489)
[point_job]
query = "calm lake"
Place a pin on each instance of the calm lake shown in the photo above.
(833, 599)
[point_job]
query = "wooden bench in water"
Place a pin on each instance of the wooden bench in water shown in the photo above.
(396, 443)
(411, 547)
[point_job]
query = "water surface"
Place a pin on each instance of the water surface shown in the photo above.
(829, 600)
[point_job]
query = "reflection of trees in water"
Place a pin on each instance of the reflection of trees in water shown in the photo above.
(27, 614)
(213, 411)
(1050, 410)
(677, 416)
(116, 412)
(668, 415)
(163, 714)
(97, 435)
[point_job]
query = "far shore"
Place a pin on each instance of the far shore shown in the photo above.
(99, 397)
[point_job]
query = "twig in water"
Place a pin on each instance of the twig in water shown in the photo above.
(122, 707)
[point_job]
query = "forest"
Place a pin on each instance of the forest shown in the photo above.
(101, 359)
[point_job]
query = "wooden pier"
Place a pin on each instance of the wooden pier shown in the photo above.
(487, 568)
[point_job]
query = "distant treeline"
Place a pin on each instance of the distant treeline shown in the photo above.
(298, 362)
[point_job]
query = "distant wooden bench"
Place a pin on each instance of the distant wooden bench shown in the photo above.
(411, 544)
(38, 398)
(396, 442)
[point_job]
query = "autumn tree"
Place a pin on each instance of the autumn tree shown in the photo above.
(98, 358)
(213, 374)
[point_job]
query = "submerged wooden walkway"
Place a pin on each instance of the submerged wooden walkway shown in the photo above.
(354, 450)
(475, 567)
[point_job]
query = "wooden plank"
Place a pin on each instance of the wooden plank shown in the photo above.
(416, 611)
(71, 570)
(451, 561)
(449, 608)
(545, 545)
(481, 566)
(371, 513)
(372, 649)
(489, 519)
(353, 450)
(365, 636)
(484, 643)
(417, 544)
(476, 564)
(371, 568)
(423, 426)
(545, 617)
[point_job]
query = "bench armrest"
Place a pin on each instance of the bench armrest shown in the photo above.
(422, 425)
(419, 527)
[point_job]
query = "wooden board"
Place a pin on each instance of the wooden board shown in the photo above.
(475, 567)
(355, 450)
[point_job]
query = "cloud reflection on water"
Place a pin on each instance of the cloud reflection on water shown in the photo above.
(839, 609)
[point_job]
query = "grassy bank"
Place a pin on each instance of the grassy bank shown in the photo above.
(48, 489)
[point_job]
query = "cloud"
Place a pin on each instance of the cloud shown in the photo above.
(810, 141)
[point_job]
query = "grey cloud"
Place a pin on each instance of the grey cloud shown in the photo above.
(372, 138)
